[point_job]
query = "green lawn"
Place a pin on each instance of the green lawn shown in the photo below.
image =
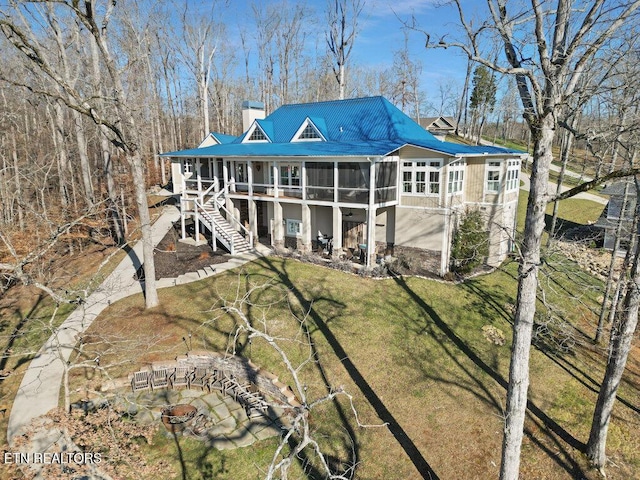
(411, 352)
(574, 210)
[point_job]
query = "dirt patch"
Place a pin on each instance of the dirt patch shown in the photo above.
(174, 258)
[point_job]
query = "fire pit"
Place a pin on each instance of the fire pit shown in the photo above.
(175, 418)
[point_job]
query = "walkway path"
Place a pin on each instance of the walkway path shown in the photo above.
(39, 391)
(553, 187)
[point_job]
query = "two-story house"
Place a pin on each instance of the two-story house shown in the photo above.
(358, 172)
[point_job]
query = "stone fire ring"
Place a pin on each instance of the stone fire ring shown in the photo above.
(175, 417)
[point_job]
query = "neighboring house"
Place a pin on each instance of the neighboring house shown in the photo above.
(610, 217)
(357, 171)
(439, 127)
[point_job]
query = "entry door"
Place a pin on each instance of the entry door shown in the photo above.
(352, 234)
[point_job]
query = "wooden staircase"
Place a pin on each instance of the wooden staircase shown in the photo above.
(222, 230)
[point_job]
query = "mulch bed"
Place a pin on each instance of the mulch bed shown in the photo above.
(174, 258)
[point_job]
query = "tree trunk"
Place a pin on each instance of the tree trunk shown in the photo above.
(138, 177)
(57, 127)
(566, 148)
(612, 264)
(18, 184)
(526, 303)
(107, 163)
(85, 167)
(341, 81)
(619, 348)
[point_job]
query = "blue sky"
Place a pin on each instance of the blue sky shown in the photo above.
(381, 34)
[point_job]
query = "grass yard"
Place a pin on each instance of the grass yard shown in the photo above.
(412, 353)
(574, 211)
(420, 356)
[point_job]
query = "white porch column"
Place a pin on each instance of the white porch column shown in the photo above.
(371, 217)
(250, 177)
(183, 226)
(303, 180)
(306, 228)
(336, 178)
(337, 231)
(446, 219)
(277, 239)
(198, 166)
(391, 226)
(253, 218)
(215, 174)
(225, 177)
(276, 180)
(371, 237)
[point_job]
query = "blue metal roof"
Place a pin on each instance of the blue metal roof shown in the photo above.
(369, 126)
(223, 138)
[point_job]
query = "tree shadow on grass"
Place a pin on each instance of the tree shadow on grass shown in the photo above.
(17, 333)
(566, 362)
(540, 418)
(410, 448)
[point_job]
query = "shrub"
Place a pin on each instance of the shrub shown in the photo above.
(470, 245)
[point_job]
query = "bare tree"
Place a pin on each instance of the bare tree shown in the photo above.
(547, 76)
(119, 122)
(200, 45)
(406, 73)
(299, 438)
(342, 20)
(622, 331)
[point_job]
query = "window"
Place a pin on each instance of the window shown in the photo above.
(309, 133)
(320, 174)
(513, 175)
(434, 177)
(294, 228)
(289, 175)
(421, 182)
(407, 182)
(493, 177)
(241, 173)
(320, 180)
(257, 135)
(421, 177)
(456, 176)
(187, 167)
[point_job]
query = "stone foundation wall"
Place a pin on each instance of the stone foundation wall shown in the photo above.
(419, 261)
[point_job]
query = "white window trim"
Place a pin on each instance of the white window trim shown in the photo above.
(456, 167)
(250, 132)
(430, 167)
(305, 124)
(490, 169)
(513, 175)
(187, 167)
(293, 228)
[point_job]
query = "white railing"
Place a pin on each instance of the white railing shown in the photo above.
(216, 229)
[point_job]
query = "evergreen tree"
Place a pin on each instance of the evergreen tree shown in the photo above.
(483, 98)
(470, 244)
